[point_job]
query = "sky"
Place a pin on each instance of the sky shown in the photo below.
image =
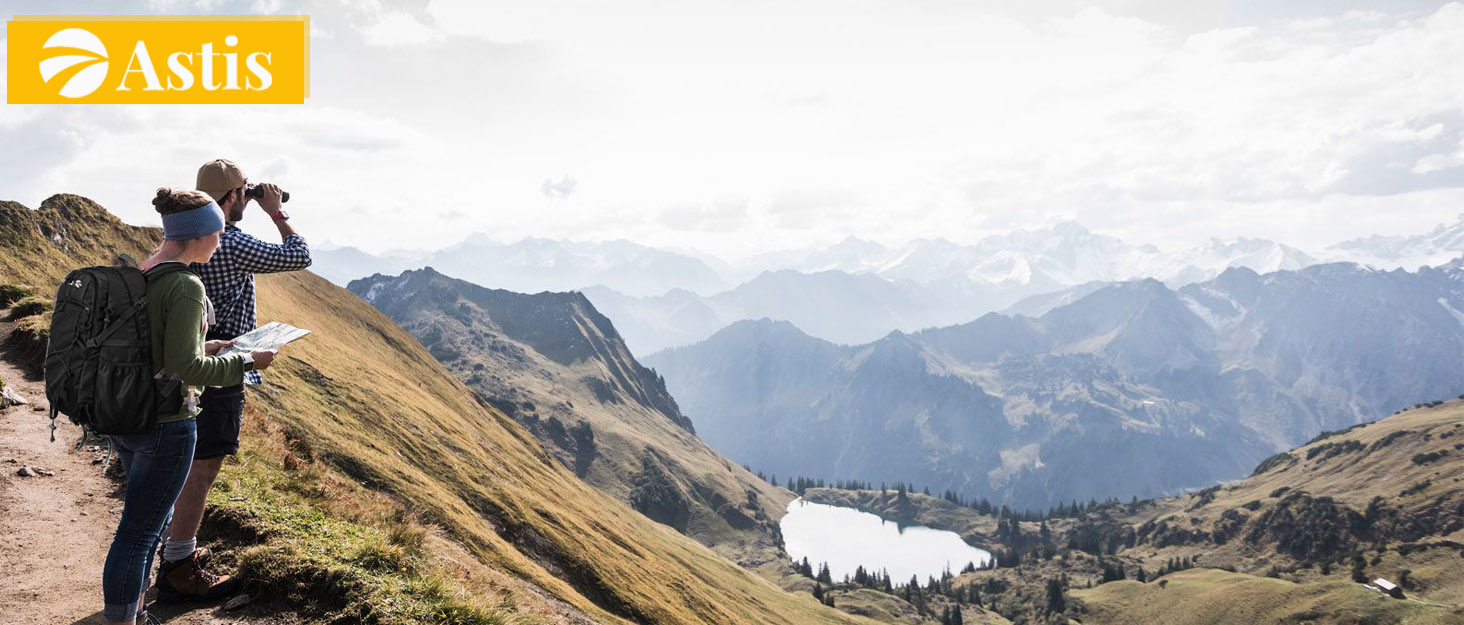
(738, 127)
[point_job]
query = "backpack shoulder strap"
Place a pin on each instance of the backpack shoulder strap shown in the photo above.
(156, 272)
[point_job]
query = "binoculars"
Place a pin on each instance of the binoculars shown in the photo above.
(254, 191)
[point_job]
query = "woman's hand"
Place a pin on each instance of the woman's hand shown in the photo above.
(211, 348)
(262, 359)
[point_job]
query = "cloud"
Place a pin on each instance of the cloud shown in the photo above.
(560, 189)
(396, 28)
(810, 207)
(888, 120)
(721, 215)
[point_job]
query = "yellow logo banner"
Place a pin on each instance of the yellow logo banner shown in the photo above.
(128, 59)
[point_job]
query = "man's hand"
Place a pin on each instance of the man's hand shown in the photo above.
(271, 200)
(262, 359)
(211, 348)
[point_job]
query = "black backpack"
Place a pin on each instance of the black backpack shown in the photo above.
(99, 369)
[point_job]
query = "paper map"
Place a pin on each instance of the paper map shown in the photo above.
(270, 336)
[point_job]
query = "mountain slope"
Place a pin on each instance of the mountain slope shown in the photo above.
(1380, 486)
(1133, 389)
(1379, 500)
(363, 398)
(1289, 544)
(559, 368)
(1215, 597)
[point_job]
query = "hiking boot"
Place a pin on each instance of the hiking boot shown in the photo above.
(202, 553)
(186, 580)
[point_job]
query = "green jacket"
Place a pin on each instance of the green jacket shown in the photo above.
(175, 314)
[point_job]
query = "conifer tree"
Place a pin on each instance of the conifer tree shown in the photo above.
(1056, 601)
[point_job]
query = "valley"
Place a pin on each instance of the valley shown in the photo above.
(1296, 541)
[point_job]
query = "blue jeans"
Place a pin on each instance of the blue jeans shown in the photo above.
(157, 465)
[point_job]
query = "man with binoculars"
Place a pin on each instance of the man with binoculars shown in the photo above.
(228, 280)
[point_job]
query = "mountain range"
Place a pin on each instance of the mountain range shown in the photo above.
(663, 298)
(399, 477)
(1136, 388)
(533, 264)
(1437, 246)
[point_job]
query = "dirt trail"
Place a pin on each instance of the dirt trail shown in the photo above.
(55, 530)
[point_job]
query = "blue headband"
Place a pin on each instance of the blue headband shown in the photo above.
(193, 223)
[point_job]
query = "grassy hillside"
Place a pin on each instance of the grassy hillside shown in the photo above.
(1385, 499)
(559, 368)
(360, 401)
(1391, 491)
(1209, 596)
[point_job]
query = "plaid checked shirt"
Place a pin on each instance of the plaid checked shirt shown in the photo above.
(229, 279)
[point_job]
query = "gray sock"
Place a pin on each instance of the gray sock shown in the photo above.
(175, 550)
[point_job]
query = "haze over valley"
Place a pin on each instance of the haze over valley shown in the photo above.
(857, 291)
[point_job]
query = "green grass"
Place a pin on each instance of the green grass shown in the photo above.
(331, 566)
(373, 402)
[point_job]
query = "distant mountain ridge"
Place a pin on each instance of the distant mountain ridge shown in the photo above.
(857, 290)
(532, 265)
(1178, 388)
(1063, 255)
(1443, 243)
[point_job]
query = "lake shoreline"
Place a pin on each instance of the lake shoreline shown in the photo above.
(846, 538)
(914, 512)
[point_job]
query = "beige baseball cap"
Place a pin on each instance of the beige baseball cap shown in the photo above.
(220, 176)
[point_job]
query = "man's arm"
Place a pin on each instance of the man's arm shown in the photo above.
(286, 230)
(255, 256)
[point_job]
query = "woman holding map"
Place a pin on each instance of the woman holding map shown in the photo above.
(157, 462)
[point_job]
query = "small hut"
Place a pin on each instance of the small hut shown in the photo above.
(1388, 588)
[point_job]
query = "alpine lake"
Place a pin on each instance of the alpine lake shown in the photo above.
(846, 539)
